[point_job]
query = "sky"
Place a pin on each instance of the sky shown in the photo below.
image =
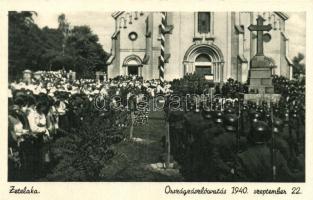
(103, 25)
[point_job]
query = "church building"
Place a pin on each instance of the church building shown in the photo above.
(216, 45)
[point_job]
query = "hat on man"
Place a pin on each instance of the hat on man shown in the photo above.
(207, 113)
(27, 71)
(218, 117)
(230, 122)
(260, 132)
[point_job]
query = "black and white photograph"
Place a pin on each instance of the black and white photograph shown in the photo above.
(158, 99)
(156, 96)
(141, 96)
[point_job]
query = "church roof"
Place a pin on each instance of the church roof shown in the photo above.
(282, 15)
(110, 59)
(167, 57)
(115, 34)
(289, 61)
(116, 14)
(145, 59)
(240, 28)
(285, 35)
(242, 58)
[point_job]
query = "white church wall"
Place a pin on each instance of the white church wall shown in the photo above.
(137, 26)
(113, 68)
(245, 18)
(284, 67)
(236, 46)
(222, 39)
(180, 40)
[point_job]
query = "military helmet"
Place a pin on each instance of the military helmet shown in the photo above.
(191, 105)
(207, 113)
(261, 110)
(255, 116)
(230, 122)
(196, 109)
(268, 116)
(276, 111)
(286, 117)
(253, 105)
(260, 132)
(218, 117)
(294, 114)
(229, 110)
(245, 107)
(277, 125)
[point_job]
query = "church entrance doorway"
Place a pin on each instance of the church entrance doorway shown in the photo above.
(133, 69)
(203, 66)
(132, 65)
(205, 60)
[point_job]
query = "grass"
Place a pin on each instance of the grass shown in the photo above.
(138, 155)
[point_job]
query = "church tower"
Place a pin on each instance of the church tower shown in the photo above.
(216, 45)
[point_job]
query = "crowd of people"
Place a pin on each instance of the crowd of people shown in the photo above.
(226, 141)
(50, 104)
(242, 141)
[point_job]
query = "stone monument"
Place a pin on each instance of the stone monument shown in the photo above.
(260, 72)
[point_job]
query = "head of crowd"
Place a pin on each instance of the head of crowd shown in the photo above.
(58, 90)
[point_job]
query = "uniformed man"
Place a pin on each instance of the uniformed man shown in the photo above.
(260, 163)
(213, 129)
(225, 147)
(195, 124)
(177, 135)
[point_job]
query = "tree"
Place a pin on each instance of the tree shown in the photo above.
(43, 49)
(298, 65)
(63, 24)
(25, 43)
(84, 47)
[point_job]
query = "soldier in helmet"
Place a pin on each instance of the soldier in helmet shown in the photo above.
(225, 147)
(177, 136)
(260, 163)
(202, 148)
(278, 142)
(244, 120)
(218, 123)
(196, 124)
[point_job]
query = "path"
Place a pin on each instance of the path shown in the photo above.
(137, 156)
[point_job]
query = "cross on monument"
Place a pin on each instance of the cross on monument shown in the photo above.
(259, 28)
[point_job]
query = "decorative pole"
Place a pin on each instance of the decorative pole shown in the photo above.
(161, 66)
(162, 59)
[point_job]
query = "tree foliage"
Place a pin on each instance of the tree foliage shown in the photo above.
(34, 48)
(87, 152)
(84, 49)
(298, 65)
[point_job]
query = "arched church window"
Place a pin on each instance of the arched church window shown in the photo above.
(204, 22)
